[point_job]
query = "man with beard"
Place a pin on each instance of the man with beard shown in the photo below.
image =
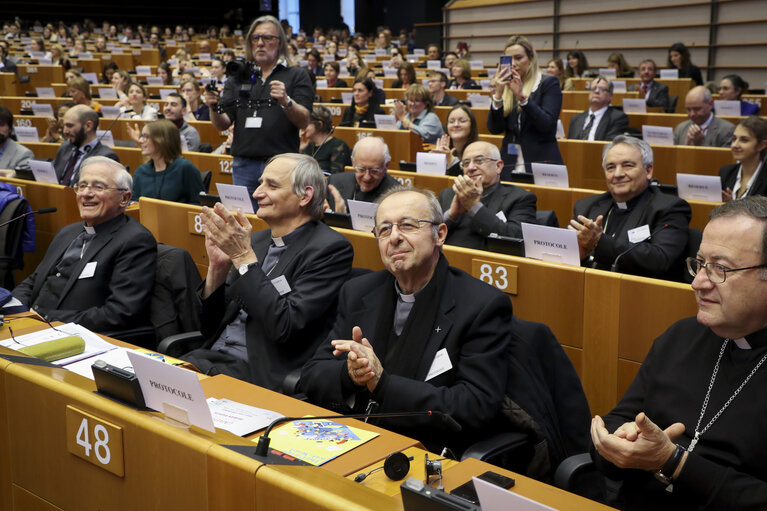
(80, 125)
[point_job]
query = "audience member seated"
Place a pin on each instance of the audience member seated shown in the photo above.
(317, 141)
(731, 88)
(577, 65)
(175, 111)
(314, 62)
(265, 318)
(617, 61)
(462, 130)
(196, 109)
(525, 108)
(478, 204)
(6, 64)
(13, 156)
(405, 76)
(80, 125)
(397, 58)
(137, 107)
(80, 91)
(662, 433)
(418, 116)
(703, 128)
(166, 175)
(749, 149)
(679, 58)
(555, 68)
(165, 73)
(217, 72)
(368, 182)
(461, 73)
(331, 75)
(600, 121)
(449, 59)
(655, 93)
(121, 80)
(58, 57)
(107, 72)
(632, 215)
(432, 53)
(437, 86)
(53, 135)
(100, 272)
(420, 335)
(378, 93)
(364, 104)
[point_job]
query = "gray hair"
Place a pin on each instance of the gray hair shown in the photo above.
(603, 78)
(753, 206)
(283, 51)
(386, 153)
(121, 176)
(306, 172)
(435, 210)
(643, 147)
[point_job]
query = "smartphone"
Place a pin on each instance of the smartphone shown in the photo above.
(507, 61)
(468, 492)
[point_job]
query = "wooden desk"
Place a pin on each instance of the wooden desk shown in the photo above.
(403, 144)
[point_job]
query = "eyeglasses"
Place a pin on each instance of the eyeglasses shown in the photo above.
(405, 226)
(267, 38)
(715, 272)
(478, 161)
(96, 187)
(373, 172)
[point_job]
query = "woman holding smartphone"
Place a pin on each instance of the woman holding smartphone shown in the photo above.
(525, 108)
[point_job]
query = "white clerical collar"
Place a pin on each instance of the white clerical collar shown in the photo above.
(278, 241)
(404, 297)
(621, 205)
(742, 343)
(90, 229)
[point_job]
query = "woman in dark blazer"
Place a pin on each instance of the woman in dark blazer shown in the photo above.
(679, 58)
(525, 108)
(749, 147)
(364, 104)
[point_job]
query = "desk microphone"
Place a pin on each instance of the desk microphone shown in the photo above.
(40, 211)
(614, 267)
(262, 447)
(112, 125)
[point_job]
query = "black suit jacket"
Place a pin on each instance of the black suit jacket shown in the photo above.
(473, 324)
(65, 152)
(347, 186)
(117, 296)
(283, 331)
(613, 123)
(658, 94)
(660, 257)
(9, 66)
(448, 100)
(517, 205)
(729, 175)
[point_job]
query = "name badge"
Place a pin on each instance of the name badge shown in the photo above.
(281, 285)
(89, 270)
(440, 365)
(641, 233)
(501, 217)
(254, 122)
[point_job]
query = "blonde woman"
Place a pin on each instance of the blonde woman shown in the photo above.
(525, 108)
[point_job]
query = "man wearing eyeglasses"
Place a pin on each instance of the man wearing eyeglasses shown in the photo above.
(370, 180)
(478, 204)
(99, 272)
(633, 227)
(689, 433)
(268, 103)
(419, 335)
(600, 121)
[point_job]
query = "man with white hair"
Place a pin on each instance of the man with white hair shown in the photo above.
(100, 272)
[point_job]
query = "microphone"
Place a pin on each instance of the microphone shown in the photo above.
(614, 266)
(40, 211)
(112, 125)
(262, 447)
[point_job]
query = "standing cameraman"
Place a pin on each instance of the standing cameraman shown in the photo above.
(267, 101)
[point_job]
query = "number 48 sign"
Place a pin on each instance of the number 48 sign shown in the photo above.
(95, 440)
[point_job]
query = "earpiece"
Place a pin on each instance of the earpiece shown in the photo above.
(396, 467)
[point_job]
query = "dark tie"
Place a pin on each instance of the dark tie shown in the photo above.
(644, 88)
(74, 251)
(587, 129)
(70, 170)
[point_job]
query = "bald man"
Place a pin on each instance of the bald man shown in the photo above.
(703, 128)
(80, 125)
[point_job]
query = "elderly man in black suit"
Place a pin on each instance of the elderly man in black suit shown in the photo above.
(99, 272)
(600, 121)
(478, 204)
(420, 335)
(645, 227)
(269, 298)
(654, 93)
(80, 125)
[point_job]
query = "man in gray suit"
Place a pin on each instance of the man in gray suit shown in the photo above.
(703, 128)
(80, 125)
(599, 122)
(13, 155)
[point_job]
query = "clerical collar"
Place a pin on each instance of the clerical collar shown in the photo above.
(488, 191)
(405, 297)
(742, 343)
(104, 226)
(281, 241)
(629, 204)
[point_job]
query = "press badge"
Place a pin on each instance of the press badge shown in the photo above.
(440, 365)
(254, 122)
(281, 285)
(641, 233)
(89, 270)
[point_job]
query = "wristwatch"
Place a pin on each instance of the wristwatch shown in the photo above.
(664, 475)
(289, 104)
(243, 268)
